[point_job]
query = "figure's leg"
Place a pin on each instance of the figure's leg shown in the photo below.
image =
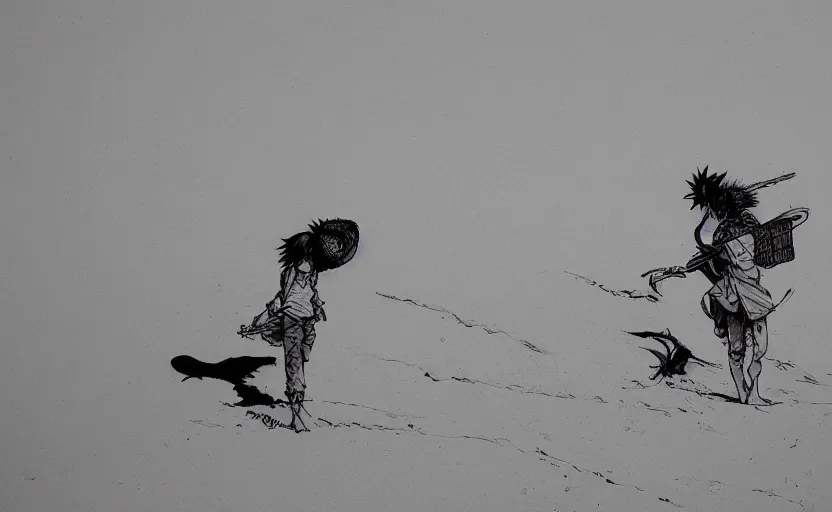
(293, 360)
(306, 348)
(272, 338)
(736, 354)
(308, 341)
(293, 363)
(759, 330)
(719, 316)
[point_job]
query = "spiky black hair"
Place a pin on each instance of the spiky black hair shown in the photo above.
(712, 191)
(739, 198)
(705, 188)
(296, 248)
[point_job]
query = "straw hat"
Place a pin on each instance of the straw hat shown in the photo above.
(334, 242)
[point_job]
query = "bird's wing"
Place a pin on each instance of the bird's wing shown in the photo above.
(661, 357)
(658, 336)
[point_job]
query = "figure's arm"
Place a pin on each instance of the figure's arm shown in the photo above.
(315, 297)
(700, 262)
(710, 272)
(317, 303)
(281, 295)
(285, 278)
(710, 269)
(697, 235)
(738, 250)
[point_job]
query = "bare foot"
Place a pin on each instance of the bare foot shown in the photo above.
(742, 396)
(756, 399)
(298, 430)
(296, 419)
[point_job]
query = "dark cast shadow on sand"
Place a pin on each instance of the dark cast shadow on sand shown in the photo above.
(234, 370)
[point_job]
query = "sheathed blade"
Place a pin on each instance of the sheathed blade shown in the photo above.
(768, 183)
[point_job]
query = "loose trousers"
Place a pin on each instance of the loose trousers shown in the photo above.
(298, 338)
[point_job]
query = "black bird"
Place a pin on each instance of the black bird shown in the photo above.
(676, 355)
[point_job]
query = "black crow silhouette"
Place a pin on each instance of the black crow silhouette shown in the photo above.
(676, 355)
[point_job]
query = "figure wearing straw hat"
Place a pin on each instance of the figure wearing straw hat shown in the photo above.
(737, 302)
(289, 319)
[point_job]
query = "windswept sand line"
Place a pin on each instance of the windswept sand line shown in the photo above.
(704, 393)
(208, 424)
(510, 387)
(707, 394)
(807, 378)
(498, 441)
(502, 442)
(772, 494)
(466, 323)
(717, 486)
(627, 294)
(389, 414)
(465, 380)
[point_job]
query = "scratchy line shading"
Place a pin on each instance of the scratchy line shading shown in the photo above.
(785, 366)
(466, 323)
(466, 380)
(719, 397)
(772, 494)
(270, 422)
(208, 424)
(668, 501)
(390, 414)
(498, 441)
(627, 294)
(651, 408)
(769, 493)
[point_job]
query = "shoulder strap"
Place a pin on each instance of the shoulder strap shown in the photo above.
(749, 219)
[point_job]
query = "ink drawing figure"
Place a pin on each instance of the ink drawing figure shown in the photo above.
(737, 302)
(289, 319)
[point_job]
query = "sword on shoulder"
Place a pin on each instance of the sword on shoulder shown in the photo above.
(795, 216)
(708, 252)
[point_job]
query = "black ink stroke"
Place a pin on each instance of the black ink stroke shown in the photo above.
(467, 323)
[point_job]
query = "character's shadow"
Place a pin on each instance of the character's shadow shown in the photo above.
(723, 397)
(234, 370)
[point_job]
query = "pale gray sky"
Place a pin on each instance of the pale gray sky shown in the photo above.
(153, 153)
